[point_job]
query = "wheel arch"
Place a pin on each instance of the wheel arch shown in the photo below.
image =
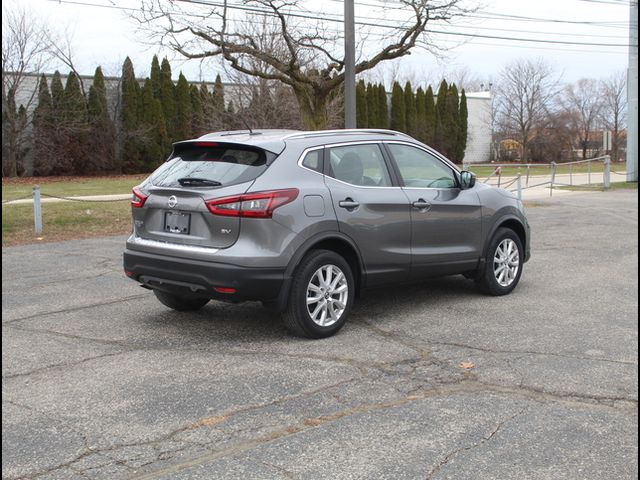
(334, 241)
(511, 222)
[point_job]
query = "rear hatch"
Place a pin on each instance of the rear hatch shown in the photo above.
(173, 198)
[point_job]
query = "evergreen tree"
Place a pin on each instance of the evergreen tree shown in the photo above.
(372, 106)
(210, 121)
(197, 117)
(154, 148)
(441, 114)
(102, 130)
(421, 115)
(57, 91)
(75, 119)
(23, 147)
(230, 120)
(361, 105)
(430, 117)
(398, 109)
(450, 122)
(156, 78)
(183, 115)
(383, 108)
(463, 118)
(410, 110)
(44, 132)
(129, 120)
(168, 99)
(218, 111)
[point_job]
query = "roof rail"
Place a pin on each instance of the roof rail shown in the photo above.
(257, 131)
(351, 131)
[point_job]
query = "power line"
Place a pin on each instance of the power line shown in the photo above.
(381, 25)
(361, 23)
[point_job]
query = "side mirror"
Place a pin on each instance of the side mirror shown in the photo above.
(467, 179)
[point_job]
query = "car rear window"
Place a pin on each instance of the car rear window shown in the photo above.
(227, 164)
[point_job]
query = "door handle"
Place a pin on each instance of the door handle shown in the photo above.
(348, 203)
(421, 204)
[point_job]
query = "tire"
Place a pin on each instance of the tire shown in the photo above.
(503, 266)
(322, 318)
(181, 304)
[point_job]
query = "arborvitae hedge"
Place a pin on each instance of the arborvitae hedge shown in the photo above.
(410, 110)
(383, 107)
(75, 121)
(182, 123)
(168, 98)
(430, 117)
(362, 114)
(76, 135)
(421, 115)
(398, 109)
(461, 144)
(129, 120)
(44, 133)
(372, 106)
(101, 129)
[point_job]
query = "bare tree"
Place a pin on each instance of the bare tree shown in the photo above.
(613, 92)
(524, 96)
(61, 48)
(25, 41)
(583, 101)
(278, 42)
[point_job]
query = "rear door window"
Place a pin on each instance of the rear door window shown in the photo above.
(361, 165)
(226, 164)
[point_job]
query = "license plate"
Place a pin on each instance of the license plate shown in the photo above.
(177, 222)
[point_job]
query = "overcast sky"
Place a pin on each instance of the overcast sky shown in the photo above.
(105, 36)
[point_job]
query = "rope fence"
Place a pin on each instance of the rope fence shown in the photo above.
(37, 196)
(558, 173)
(96, 200)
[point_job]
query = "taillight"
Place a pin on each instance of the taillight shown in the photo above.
(255, 205)
(138, 198)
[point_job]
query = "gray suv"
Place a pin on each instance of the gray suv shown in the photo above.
(304, 221)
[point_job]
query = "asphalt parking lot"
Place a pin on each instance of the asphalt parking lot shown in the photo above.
(100, 381)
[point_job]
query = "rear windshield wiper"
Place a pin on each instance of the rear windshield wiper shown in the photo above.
(198, 182)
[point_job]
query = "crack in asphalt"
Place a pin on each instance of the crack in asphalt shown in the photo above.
(449, 456)
(530, 352)
(277, 435)
(61, 365)
(74, 309)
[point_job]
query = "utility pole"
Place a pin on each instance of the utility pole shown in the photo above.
(349, 65)
(632, 95)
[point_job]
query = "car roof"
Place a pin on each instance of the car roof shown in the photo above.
(275, 140)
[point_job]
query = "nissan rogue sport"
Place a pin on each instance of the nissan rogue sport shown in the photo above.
(303, 221)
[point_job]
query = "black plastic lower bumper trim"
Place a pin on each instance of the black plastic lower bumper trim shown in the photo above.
(199, 278)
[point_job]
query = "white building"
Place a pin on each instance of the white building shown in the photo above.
(478, 128)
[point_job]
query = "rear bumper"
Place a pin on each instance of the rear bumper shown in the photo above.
(198, 278)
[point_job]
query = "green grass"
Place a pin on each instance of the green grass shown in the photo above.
(69, 186)
(64, 221)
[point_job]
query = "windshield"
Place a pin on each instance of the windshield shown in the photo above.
(210, 165)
